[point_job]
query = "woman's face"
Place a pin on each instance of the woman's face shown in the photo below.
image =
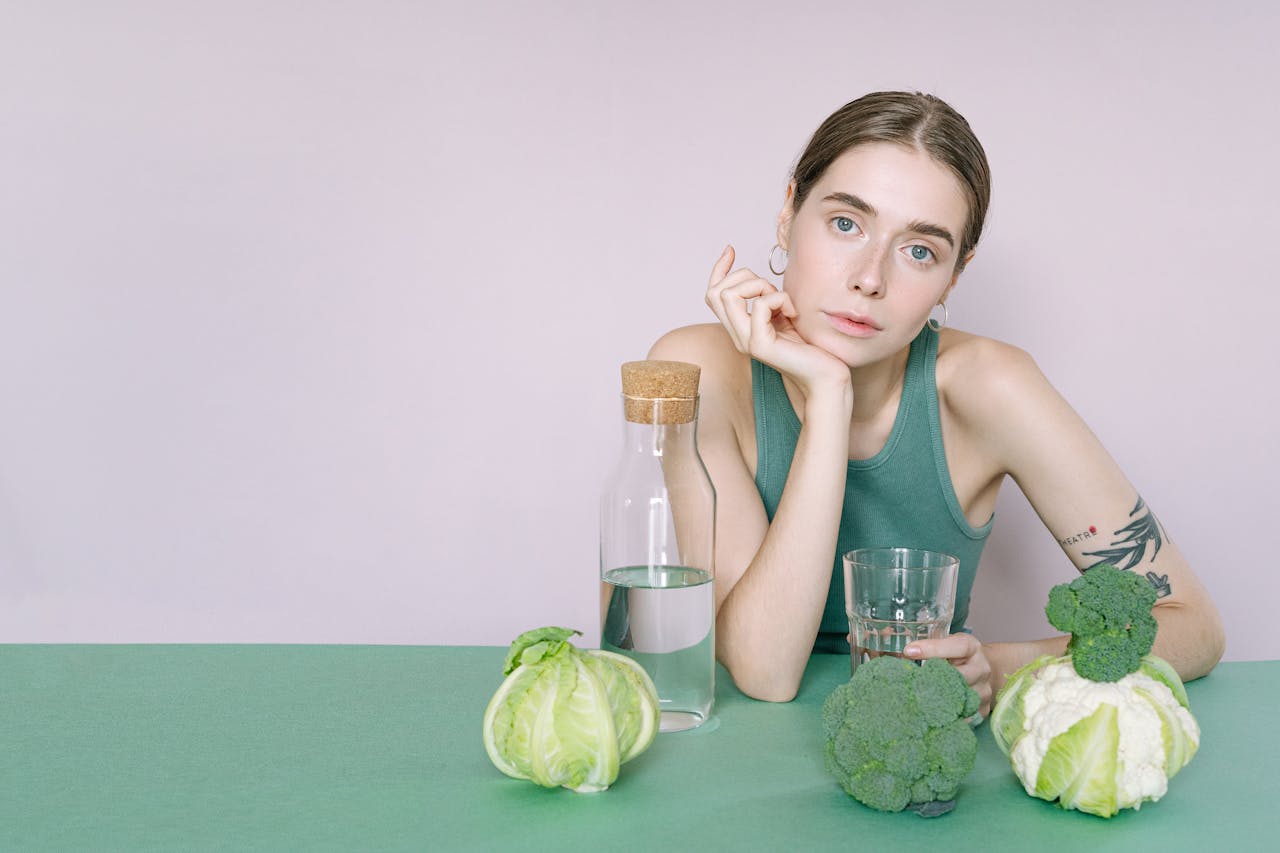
(872, 249)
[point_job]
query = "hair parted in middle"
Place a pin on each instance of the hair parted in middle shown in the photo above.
(912, 119)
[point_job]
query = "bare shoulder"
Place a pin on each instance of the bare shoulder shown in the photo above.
(725, 413)
(1002, 408)
(708, 346)
(981, 378)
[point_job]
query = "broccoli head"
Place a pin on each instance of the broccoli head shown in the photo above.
(1108, 613)
(898, 736)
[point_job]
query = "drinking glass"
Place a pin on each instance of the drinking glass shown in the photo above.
(894, 596)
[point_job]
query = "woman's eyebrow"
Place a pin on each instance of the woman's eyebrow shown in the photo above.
(852, 201)
(919, 226)
(931, 230)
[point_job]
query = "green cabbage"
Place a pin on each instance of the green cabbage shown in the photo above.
(1095, 746)
(566, 716)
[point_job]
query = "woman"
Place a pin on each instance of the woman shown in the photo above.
(840, 412)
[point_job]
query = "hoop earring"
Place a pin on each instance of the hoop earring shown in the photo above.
(777, 247)
(934, 324)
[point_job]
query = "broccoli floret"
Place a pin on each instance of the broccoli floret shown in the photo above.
(940, 696)
(834, 710)
(950, 751)
(877, 786)
(897, 733)
(1108, 613)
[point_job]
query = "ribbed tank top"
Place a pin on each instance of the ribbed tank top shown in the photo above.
(901, 498)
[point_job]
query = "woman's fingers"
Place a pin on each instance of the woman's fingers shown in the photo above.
(740, 284)
(746, 304)
(761, 319)
(951, 647)
(716, 286)
(965, 653)
(757, 317)
(729, 295)
(721, 268)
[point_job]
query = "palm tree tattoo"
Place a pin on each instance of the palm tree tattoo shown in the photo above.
(1131, 546)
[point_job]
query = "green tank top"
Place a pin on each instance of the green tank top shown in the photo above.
(902, 497)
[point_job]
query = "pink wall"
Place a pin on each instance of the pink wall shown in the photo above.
(310, 318)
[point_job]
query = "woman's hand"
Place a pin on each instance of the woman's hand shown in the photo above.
(765, 331)
(966, 654)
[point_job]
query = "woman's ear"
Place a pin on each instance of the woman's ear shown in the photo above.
(955, 276)
(785, 215)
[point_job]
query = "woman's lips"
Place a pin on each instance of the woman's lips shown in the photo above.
(853, 325)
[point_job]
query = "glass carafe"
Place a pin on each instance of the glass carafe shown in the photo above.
(657, 543)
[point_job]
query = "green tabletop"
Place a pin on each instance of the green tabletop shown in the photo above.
(378, 748)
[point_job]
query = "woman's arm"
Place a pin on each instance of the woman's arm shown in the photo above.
(771, 579)
(1083, 498)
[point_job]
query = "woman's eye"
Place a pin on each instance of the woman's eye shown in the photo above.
(920, 253)
(845, 225)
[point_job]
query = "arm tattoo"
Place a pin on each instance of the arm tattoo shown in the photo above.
(1161, 583)
(1128, 550)
(1131, 546)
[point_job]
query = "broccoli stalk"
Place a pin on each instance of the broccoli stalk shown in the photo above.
(1108, 613)
(898, 734)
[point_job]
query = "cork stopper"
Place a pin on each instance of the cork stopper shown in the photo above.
(675, 383)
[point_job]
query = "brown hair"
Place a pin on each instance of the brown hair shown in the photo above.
(915, 120)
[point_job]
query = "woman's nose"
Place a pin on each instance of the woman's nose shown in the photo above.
(869, 275)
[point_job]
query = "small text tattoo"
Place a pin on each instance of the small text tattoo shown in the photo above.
(1079, 537)
(1130, 546)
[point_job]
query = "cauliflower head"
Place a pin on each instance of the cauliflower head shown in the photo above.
(1095, 746)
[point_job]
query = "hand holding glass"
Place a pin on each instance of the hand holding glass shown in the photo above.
(894, 596)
